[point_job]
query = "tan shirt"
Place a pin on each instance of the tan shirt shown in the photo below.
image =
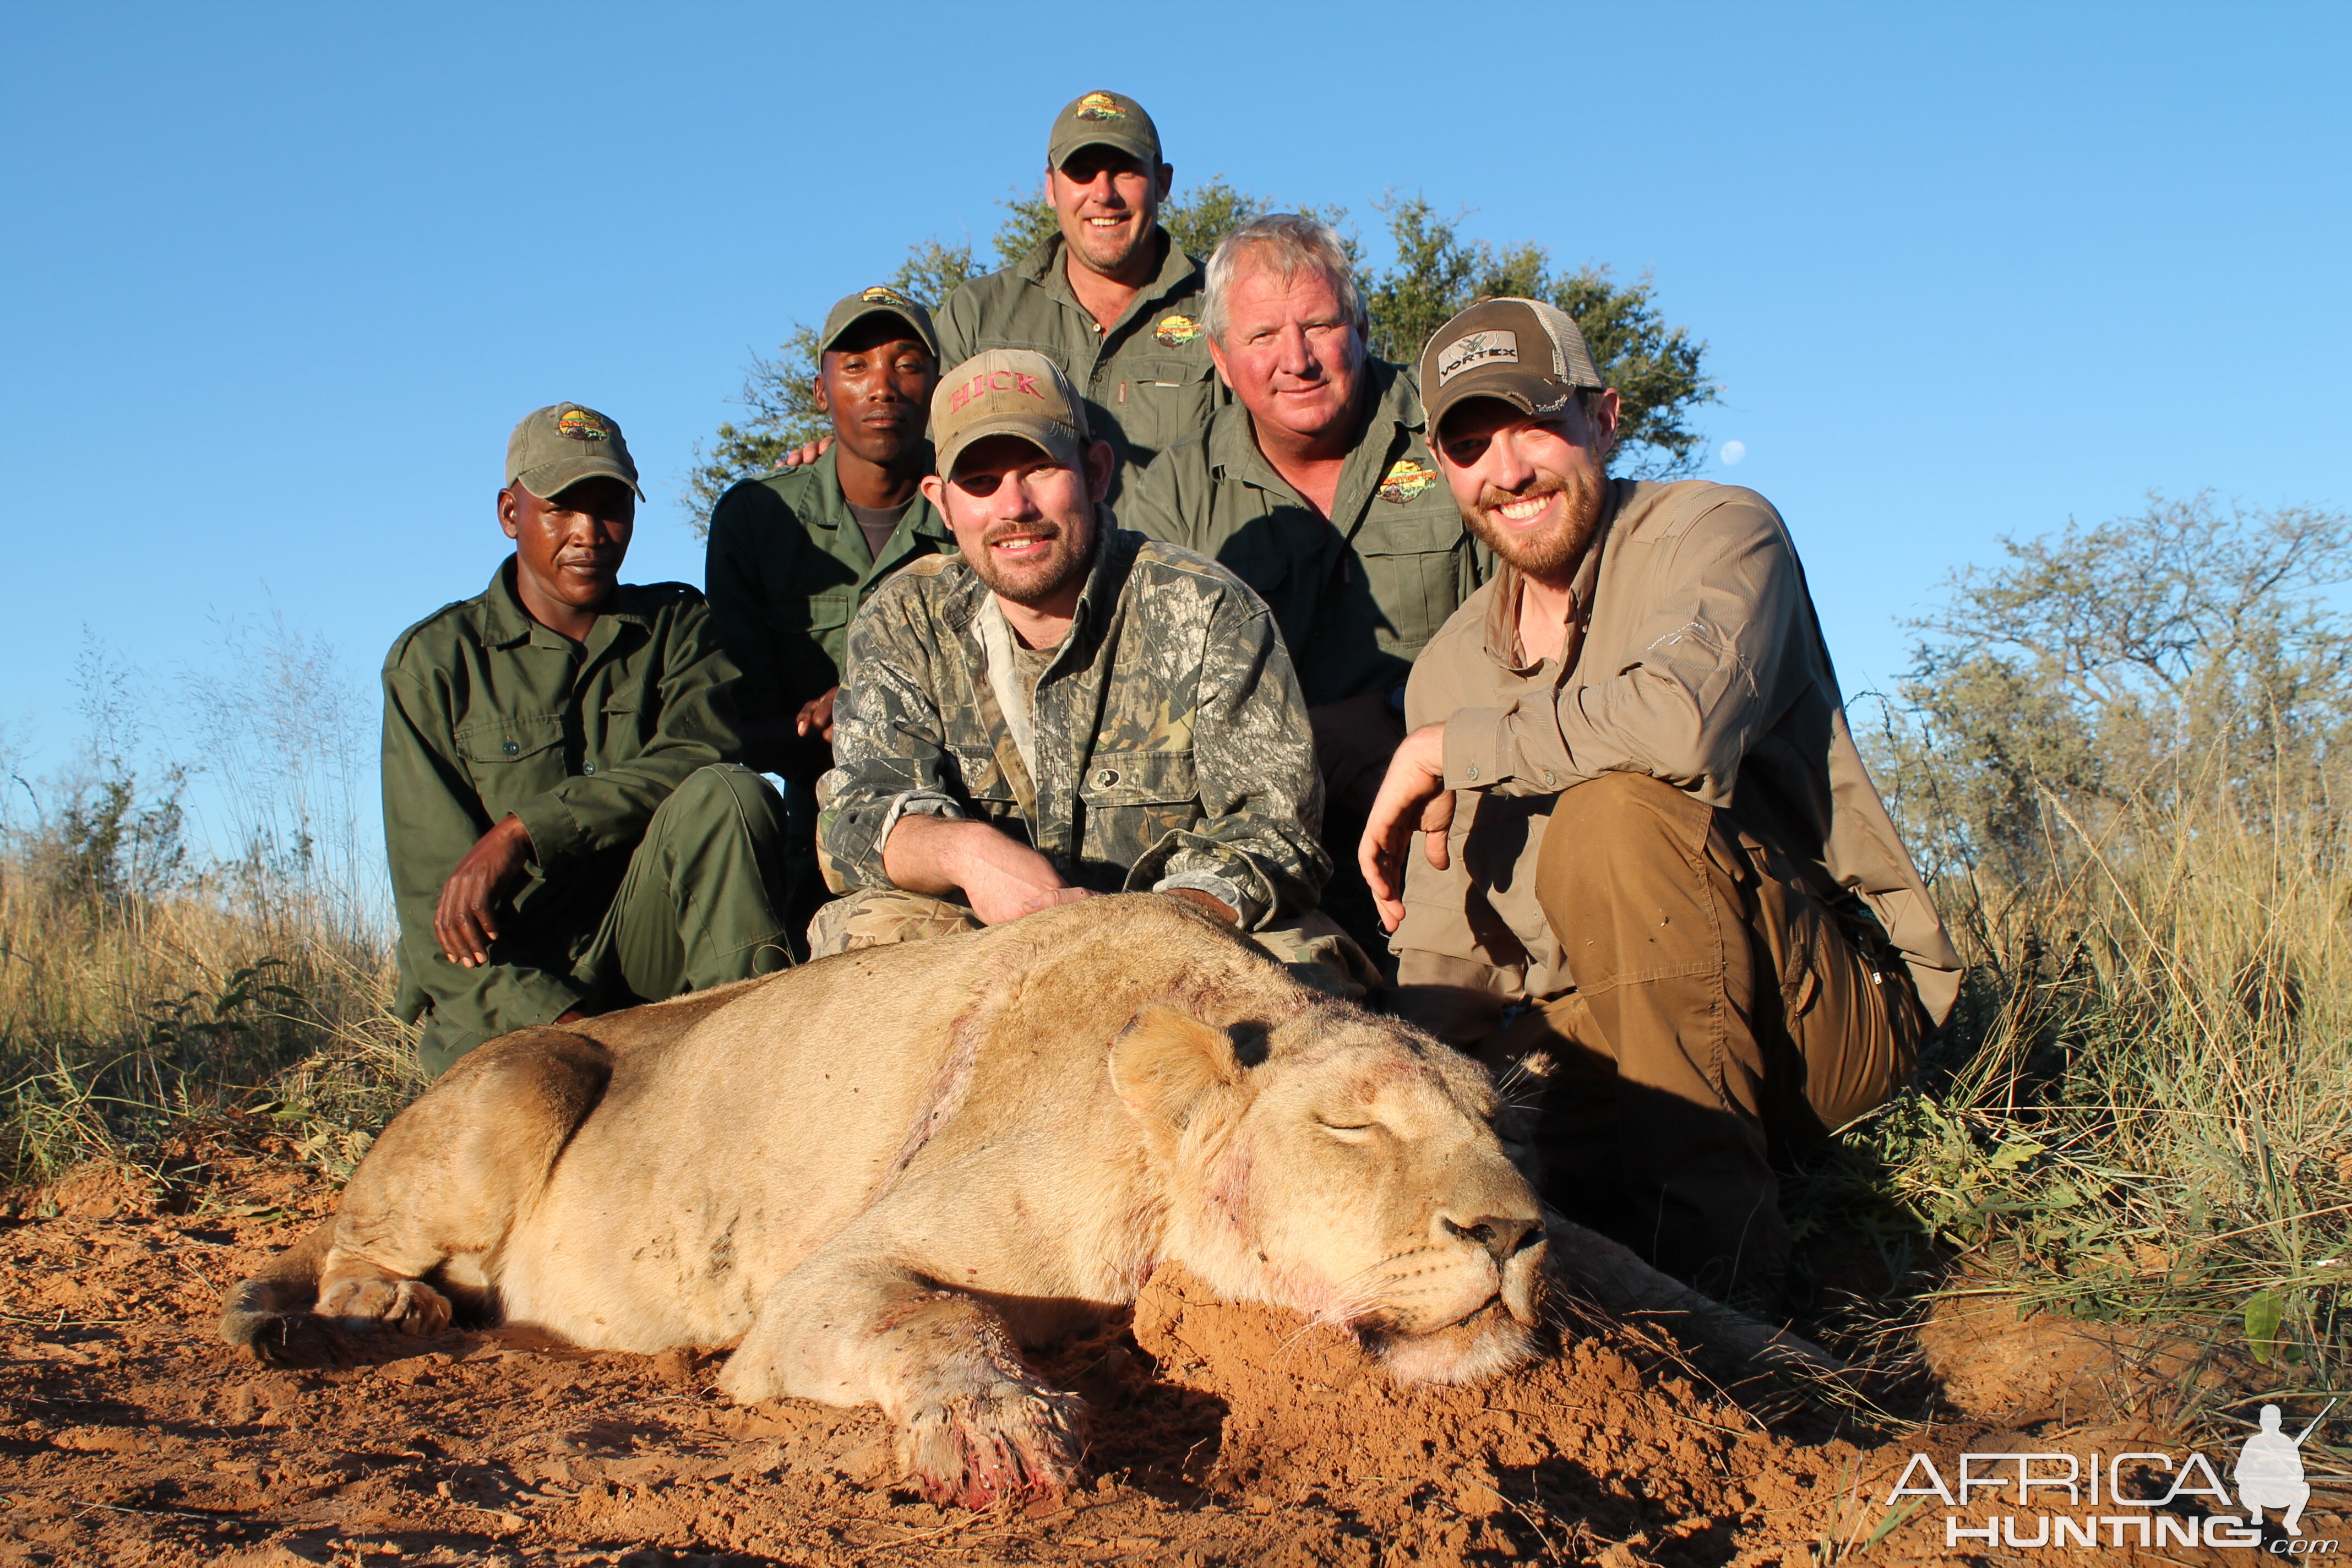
(1693, 655)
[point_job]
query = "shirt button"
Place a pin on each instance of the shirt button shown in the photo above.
(1550, 777)
(1471, 772)
(510, 747)
(1108, 776)
(588, 768)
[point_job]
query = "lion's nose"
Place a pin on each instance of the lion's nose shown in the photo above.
(1503, 1236)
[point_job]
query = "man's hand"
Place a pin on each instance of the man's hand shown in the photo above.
(465, 921)
(803, 456)
(1002, 880)
(817, 714)
(1412, 798)
(1201, 898)
(1354, 739)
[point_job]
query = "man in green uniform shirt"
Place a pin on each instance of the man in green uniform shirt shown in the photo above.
(566, 831)
(1317, 489)
(792, 556)
(1109, 299)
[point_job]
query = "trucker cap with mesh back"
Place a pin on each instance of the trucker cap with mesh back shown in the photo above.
(1525, 352)
(1105, 119)
(881, 300)
(557, 446)
(1008, 392)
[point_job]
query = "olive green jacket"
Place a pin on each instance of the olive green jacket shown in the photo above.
(486, 713)
(786, 567)
(1356, 596)
(1147, 382)
(1166, 747)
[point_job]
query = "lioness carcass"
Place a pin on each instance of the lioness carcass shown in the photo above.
(884, 1170)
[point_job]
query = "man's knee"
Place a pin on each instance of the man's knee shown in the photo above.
(882, 917)
(722, 796)
(1618, 815)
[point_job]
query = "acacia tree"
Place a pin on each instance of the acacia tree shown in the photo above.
(2182, 654)
(1658, 369)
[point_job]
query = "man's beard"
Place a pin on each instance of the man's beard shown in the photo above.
(1033, 583)
(1551, 555)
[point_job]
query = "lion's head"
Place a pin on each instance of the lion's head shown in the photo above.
(1344, 1166)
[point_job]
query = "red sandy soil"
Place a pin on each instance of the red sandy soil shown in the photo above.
(1222, 1435)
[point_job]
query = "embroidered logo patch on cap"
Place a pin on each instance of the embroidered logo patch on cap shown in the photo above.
(881, 295)
(1474, 349)
(1176, 330)
(582, 425)
(1405, 480)
(1100, 106)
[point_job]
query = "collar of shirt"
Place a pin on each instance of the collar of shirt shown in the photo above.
(829, 510)
(1392, 415)
(509, 625)
(1503, 647)
(1179, 274)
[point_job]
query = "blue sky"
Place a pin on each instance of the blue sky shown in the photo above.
(278, 280)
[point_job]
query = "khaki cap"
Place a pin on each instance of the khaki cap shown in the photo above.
(1008, 392)
(559, 446)
(881, 300)
(1527, 353)
(1105, 119)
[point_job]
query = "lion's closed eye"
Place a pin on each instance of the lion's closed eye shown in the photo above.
(1345, 1130)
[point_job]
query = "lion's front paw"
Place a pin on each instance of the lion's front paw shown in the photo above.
(411, 1306)
(974, 1449)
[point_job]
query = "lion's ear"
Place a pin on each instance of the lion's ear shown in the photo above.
(1165, 1060)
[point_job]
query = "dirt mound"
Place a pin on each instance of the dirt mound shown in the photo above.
(1219, 1434)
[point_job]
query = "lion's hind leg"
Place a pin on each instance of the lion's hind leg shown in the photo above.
(975, 1424)
(438, 1195)
(269, 1315)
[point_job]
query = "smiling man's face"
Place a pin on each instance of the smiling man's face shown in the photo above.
(1024, 522)
(1288, 350)
(1531, 488)
(1108, 203)
(875, 383)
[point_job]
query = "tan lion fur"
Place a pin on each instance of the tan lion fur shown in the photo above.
(884, 1172)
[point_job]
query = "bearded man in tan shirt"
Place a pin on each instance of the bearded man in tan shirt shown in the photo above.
(1650, 852)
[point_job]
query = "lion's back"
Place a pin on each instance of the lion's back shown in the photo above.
(741, 1129)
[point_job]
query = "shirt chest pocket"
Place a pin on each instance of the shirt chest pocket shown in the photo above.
(983, 778)
(1158, 398)
(1134, 799)
(512, 758)
(1418, 566)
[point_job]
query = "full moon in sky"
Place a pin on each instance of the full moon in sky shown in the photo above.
(1733, 451)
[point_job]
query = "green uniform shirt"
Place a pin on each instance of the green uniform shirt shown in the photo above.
(487, 713)
(1356, 596)
(1169, 746)
(1147, 382)
(787, 567)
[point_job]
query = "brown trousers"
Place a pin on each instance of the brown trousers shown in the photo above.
(1723, 1005)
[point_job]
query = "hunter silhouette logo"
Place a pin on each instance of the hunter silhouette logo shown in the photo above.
(2270, 1471)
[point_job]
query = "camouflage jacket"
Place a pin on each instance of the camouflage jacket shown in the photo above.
(1171, 742)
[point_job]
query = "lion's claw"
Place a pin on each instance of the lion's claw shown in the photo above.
(410, 1306)
(975, 1450)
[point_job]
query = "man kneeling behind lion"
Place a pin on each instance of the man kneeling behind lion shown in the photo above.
(1065, 1103)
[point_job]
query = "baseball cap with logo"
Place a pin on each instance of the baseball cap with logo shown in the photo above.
(1105, 119)
(1527, 353)
(879, 300)
(562, 444)
(1008, 392)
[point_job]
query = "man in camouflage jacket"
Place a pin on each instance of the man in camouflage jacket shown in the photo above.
(1062, 708)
